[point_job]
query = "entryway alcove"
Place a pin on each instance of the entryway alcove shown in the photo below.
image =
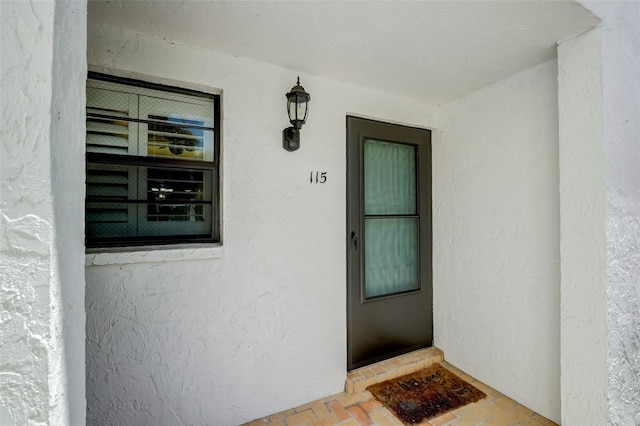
(230, 333)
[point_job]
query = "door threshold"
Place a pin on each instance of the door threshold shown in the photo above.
(361, 378)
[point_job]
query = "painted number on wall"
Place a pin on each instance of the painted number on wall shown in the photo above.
(318, 177)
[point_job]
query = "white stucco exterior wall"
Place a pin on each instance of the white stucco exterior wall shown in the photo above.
(496, 237)
(69, 71)
(620, 133)
(621, 89)
(41, 286)
(26, 211)
(261, 327)
(583, 236)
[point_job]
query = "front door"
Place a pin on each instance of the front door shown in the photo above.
(389, 295)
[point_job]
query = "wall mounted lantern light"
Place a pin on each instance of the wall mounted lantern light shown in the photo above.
(297, 108)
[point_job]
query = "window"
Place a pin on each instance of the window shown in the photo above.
(152, 164)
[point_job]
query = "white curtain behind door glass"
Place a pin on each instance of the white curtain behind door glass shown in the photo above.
(391, 256)
(391, 243)
(389, 178)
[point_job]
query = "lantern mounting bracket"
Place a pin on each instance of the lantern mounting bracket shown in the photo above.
(291, 139)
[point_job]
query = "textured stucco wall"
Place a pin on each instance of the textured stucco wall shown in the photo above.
(261, 327)
(583, 239)
(35, 316)
(621, 135)
(621, 75)
(26, 211)
(496, 237)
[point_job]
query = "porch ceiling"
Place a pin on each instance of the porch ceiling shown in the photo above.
(431, 51)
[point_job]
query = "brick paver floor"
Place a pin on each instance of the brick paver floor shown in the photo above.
(362, 409)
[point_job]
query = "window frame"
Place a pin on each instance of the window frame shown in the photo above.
(158, 162)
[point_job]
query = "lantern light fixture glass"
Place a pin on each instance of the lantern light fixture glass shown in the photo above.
(298, 109)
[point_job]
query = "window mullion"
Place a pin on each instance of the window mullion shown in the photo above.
(143, 131)
(133, 125)
(142, 195)
(132, 195)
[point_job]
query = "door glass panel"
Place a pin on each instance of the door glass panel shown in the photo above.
(391, 242)
(390, 255)
(389, 178)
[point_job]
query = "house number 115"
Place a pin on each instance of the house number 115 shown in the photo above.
(318, 177)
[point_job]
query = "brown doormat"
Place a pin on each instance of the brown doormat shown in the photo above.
(425, 394)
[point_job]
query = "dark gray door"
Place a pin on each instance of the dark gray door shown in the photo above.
(389, 295)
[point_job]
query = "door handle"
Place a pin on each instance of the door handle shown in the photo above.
(354, 238)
